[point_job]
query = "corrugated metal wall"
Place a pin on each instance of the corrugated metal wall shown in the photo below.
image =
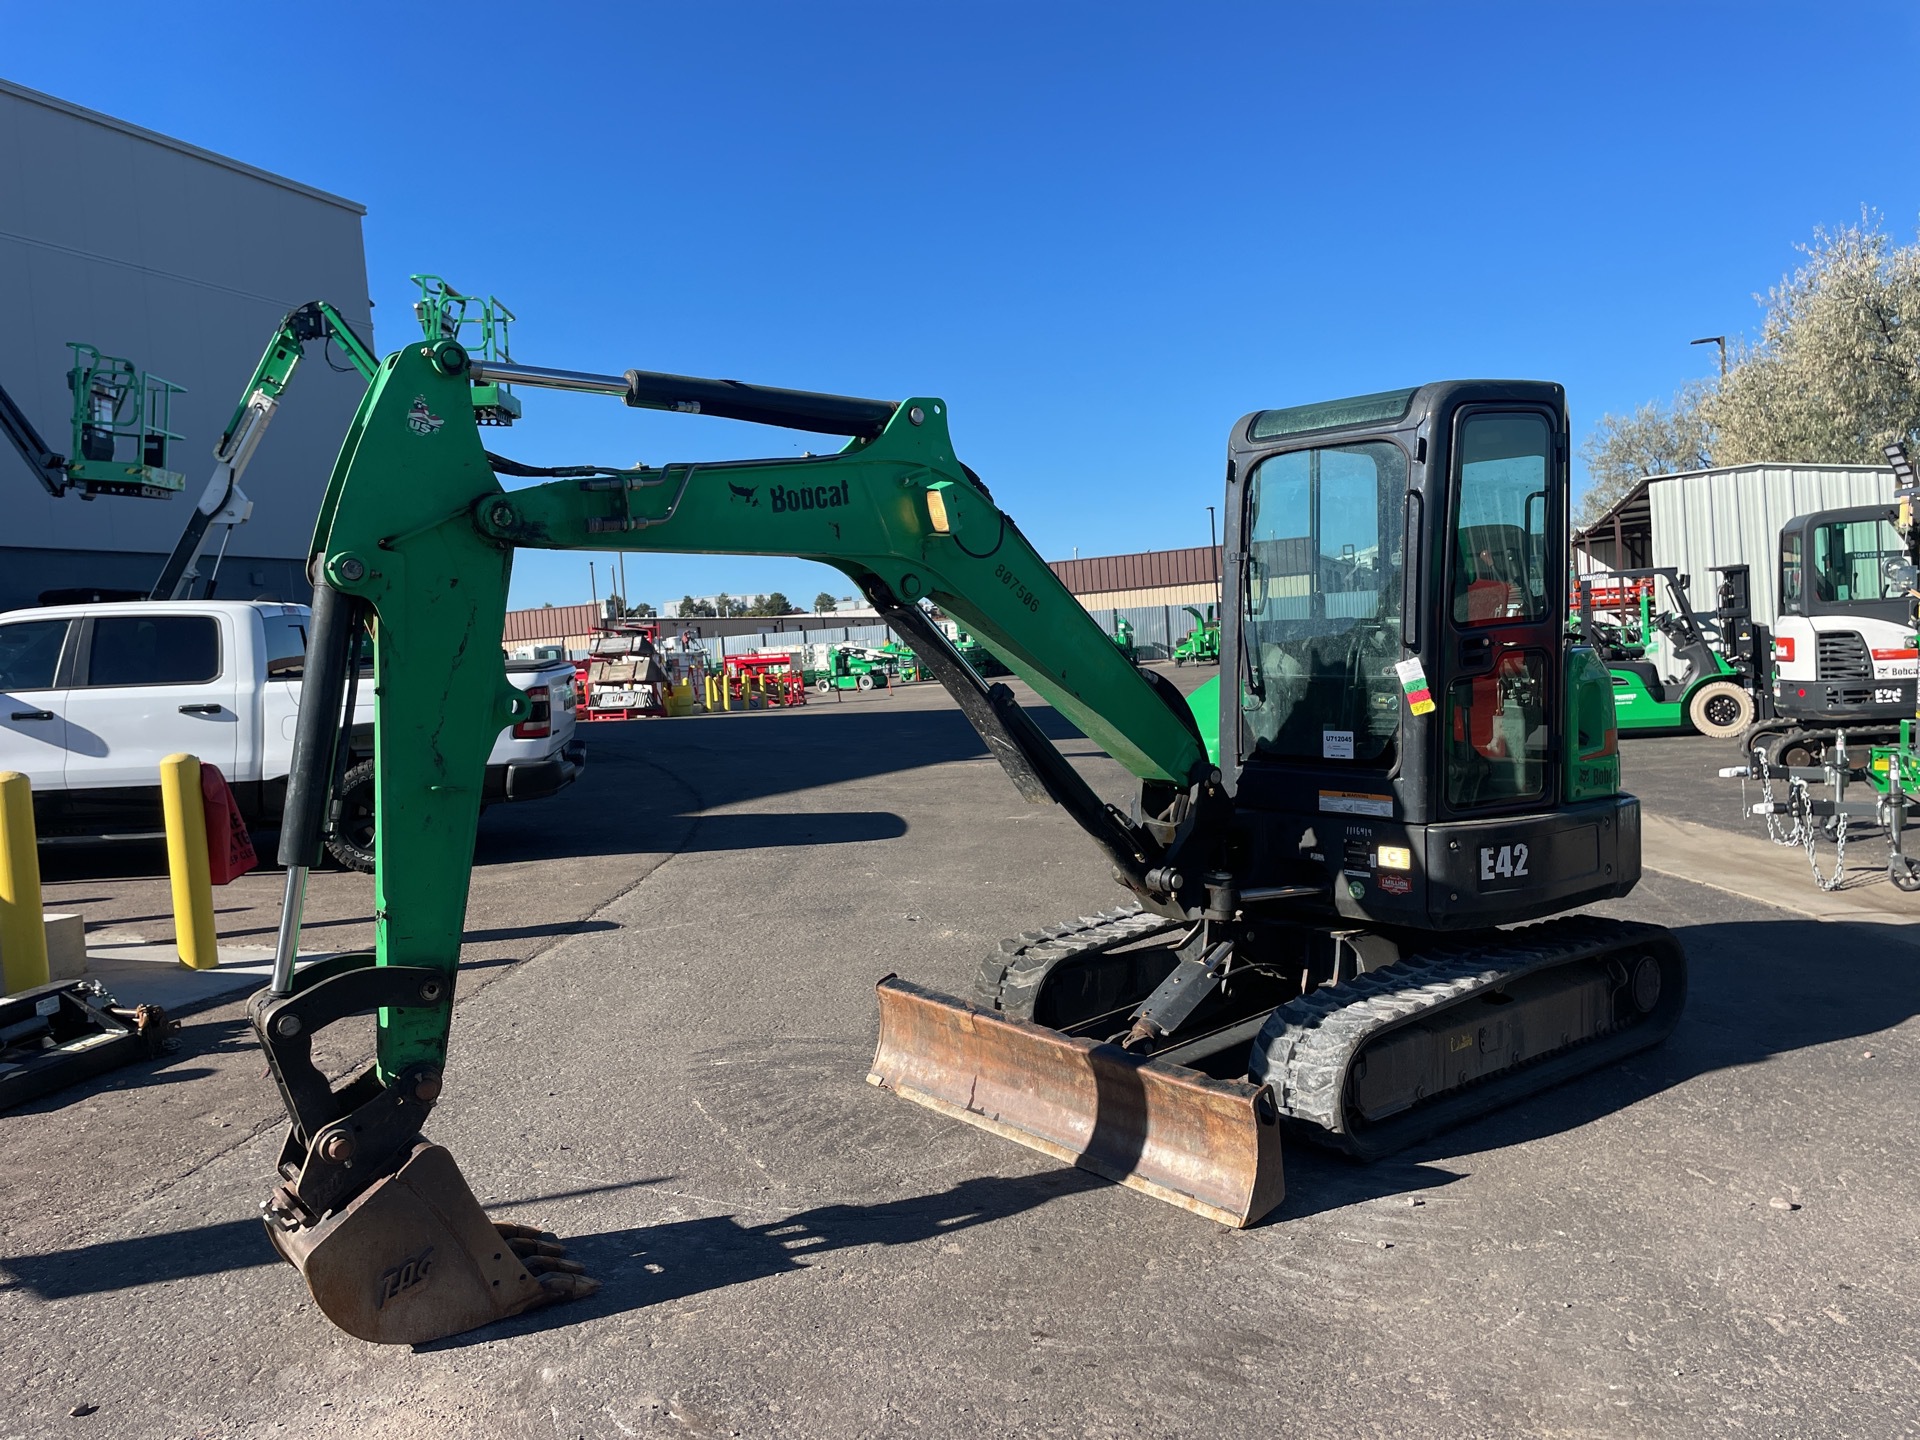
(1733, 517)
(550, 623)
(1146, 569)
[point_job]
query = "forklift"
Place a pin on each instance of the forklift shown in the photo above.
(1666, 674)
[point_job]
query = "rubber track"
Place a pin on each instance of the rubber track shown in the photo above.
(1309, 1044)
(1009, 980)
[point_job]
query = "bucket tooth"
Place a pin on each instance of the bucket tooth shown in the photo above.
(1209, 1146)
(414, 1258)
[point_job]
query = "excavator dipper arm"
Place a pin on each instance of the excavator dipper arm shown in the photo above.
(414, 545)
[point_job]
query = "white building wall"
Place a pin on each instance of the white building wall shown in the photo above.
(183, 262)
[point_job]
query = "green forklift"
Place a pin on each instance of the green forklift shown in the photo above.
(1123, 638)
(1666, 674)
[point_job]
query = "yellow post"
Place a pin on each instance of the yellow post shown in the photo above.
(186, 816)
(23, 925)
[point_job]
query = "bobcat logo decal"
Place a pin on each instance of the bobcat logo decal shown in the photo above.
(421, 420)
(748, 493)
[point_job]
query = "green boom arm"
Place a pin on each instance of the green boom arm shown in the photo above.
(416, 528)
(315, 320)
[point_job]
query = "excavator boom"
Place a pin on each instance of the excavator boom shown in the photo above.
(414, 546)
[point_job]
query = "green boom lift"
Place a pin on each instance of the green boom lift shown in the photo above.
(120, 424)
(444, 314)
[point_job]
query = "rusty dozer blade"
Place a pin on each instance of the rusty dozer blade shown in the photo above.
(1209, 1146)
(414, 1258)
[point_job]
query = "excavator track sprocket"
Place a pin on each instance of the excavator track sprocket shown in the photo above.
(1455, 1032)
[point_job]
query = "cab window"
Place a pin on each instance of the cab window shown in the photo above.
(154, 650)
(30, 653)
(1322, 622)
(1792, 589)
(1501, 520)
(286, 646)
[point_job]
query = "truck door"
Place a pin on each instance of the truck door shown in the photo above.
(33, 722)
(151, 685)
(1505, 613)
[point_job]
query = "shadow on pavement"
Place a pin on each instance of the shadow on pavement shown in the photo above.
(654, 1264)
(1749, 1001)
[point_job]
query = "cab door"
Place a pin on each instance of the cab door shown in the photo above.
(1505, 613)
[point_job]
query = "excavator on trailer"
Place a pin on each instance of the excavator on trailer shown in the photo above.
(1411, 755)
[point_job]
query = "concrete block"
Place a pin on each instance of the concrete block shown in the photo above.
(66, 947)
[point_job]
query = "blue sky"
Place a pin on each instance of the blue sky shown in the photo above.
(1101, 232)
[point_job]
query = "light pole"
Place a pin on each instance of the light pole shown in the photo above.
(1719, 340)
(1213, 552)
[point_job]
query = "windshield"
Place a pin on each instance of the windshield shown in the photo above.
(1322, 626)
(1849, 560)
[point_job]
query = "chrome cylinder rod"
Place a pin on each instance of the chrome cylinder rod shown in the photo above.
(497, 372)
(286, 945)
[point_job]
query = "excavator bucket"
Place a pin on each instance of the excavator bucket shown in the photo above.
(413, 1258)
(1209, 1146)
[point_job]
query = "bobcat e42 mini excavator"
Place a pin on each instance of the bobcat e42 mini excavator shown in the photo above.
(1406, 753)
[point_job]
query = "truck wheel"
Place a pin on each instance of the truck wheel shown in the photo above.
(1721, 709)
(865, 682)
(351, 839)
(823, 686)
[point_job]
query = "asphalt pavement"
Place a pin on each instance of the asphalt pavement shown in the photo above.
(660, 1050)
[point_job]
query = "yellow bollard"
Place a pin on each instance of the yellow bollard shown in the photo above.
(23, 925)
(186, 813)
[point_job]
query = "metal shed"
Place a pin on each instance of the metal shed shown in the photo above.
(1703, 518)
(182, 261)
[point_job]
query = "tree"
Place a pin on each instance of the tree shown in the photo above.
(641, 610)
(774, 604)
(824, 604)
(1656, 439)
(1834, 376)
(696, 609)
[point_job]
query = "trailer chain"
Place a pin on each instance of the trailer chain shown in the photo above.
(1808, 829)
(1309, 1044)
(1759, 765)
(1803, 831)
(1009, 980)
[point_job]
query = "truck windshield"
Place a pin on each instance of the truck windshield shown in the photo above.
(1322, 624)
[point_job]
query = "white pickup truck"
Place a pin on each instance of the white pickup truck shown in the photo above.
(92, 697)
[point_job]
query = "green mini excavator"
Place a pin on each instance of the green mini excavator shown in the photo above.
(1408, 755)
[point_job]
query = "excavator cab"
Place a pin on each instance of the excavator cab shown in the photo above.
(1405, 688)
